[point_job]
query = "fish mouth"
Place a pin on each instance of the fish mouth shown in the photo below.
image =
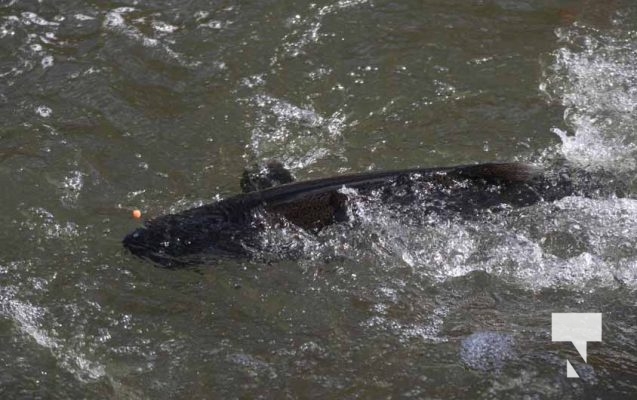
(137, 243)
(134, 241)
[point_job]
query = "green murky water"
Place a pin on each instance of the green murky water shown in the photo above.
(159, 105)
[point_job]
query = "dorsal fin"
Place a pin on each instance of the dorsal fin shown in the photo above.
(493, 172)
(257, 178)
(506, 172)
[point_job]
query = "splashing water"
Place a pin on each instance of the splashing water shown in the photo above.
(594, 76)
(308, 31)
(100, 99)
(487, 351)
(116, 20)
(302, 133)
(30, 320)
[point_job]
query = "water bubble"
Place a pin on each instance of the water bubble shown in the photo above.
(82, 17)
(164, 27)
(214, 24)
(47, 62)
(199, 15)
(44, 111)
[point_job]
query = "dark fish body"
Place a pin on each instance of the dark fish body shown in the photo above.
(231, 227)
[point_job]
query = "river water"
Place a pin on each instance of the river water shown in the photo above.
(159, 105)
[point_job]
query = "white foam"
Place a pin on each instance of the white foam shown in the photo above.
(199, 15)
(48, 226)
(575, 243)
(72, 187)
(115, 20)
(213, 24)
(594, 76)
(29, 18)
(301, 132)
(28, 318)
(47, 62)
(43, 111)
(164, 27)
(308, 31)
(82, 17)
